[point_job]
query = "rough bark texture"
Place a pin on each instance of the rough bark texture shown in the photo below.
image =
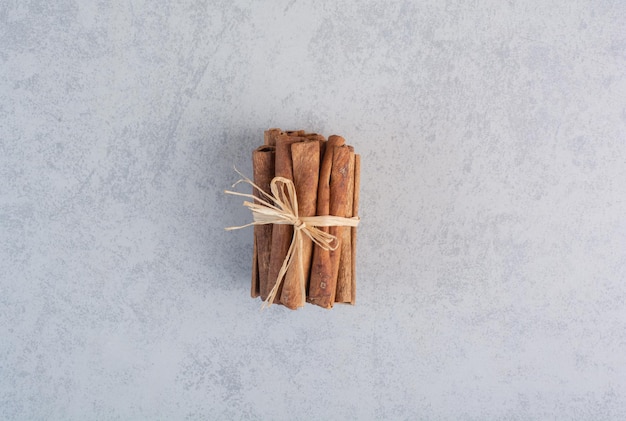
(281, 234)
(344, 276)
(263, 172)
(355, 212)
(323, 275)
(305, 158)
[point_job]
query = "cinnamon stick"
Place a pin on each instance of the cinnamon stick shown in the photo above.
(344, 276)
(281, 234)
(263, 172)
(355, 212)
(271, 135)
(321, 285)
(316, 136)
(305, 157)
(338, 206)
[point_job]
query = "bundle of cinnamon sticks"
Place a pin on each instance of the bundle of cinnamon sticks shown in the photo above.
(326, 176)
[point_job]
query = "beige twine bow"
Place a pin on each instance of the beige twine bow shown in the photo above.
(285, 211)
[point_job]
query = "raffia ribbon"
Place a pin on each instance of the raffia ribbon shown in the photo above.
(284, 210)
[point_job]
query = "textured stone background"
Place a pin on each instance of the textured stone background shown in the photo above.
(492, 254)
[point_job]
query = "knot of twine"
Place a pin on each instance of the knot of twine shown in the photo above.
(281, 207)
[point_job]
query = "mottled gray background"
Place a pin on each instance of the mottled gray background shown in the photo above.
(492, 253)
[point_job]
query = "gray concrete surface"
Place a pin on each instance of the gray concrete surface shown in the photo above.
(492, 252)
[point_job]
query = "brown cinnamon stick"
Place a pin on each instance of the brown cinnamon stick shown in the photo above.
(315, 136)
(321, 284)
(344, 276)
(281, 234)
(271, 135)
(355, 212)
(263, 172)
(305, 157)
(339, 182)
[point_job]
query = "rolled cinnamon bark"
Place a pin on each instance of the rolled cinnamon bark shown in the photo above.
(281, 234)
(316, 136)
(305, 157)
(344, 276)
(321, 284)
(295, 133)
(271, 135)
(263, 172)
(355, 212)
(339, 182)
(322, 141)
